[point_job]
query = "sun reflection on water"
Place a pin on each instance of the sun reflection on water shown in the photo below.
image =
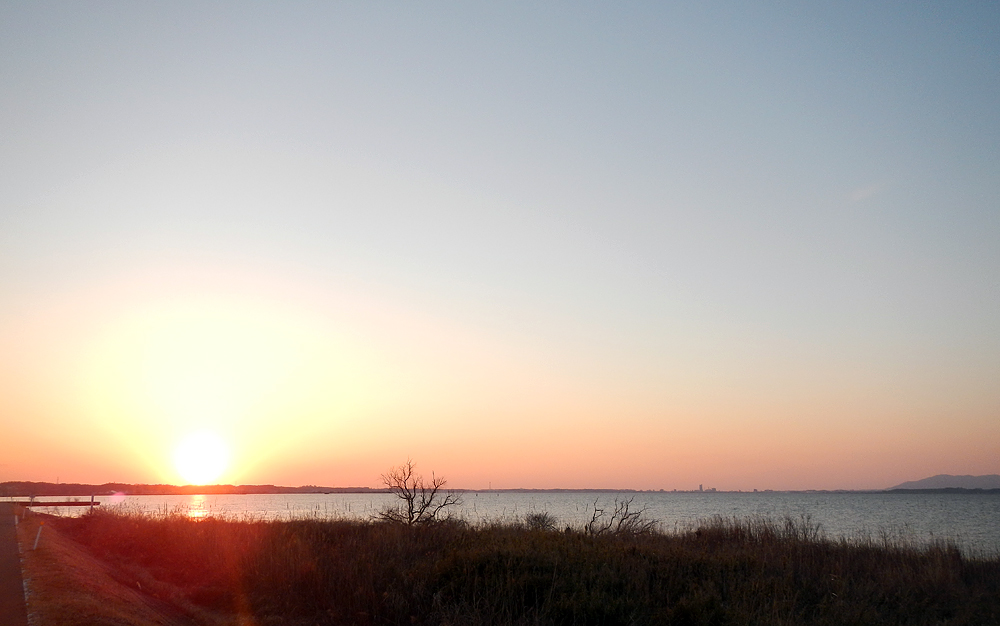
(197, 507)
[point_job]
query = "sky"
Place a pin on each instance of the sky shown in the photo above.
(524, 244)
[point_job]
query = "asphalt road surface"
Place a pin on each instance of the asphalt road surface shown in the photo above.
(12, 610)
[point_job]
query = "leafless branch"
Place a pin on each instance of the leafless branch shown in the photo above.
(622, 520)
(420, 502)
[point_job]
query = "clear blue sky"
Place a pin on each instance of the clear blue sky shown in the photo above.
(771, 218)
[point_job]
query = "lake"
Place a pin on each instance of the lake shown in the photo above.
(970, 519)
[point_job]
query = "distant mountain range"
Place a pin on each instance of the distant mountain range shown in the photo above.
(947, 481)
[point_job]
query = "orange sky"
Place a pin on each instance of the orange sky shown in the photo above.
(309, 385)
(524, 245)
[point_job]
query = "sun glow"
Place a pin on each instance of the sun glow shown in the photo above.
(201, 458)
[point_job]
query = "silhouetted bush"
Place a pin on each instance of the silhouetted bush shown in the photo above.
(621, 519)
(540, 521)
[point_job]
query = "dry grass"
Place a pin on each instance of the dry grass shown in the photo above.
(69, 587)
(723, 572)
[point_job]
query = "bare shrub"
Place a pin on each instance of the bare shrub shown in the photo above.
(620, 519)
(540, 521)
(420, 502)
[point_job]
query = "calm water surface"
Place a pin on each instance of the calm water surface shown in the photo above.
(971, 520)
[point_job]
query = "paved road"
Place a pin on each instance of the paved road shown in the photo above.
(12, 611)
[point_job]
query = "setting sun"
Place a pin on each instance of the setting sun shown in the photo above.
(200, 458)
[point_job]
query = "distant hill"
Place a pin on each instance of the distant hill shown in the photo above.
(947, 481)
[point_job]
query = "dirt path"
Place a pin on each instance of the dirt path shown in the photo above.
(12, 610)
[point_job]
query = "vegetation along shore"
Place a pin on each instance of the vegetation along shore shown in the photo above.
(618, 569)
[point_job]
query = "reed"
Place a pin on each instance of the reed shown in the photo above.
(723, 571)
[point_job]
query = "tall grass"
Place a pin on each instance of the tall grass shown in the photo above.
(724, 571)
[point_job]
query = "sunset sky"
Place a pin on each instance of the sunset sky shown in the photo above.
(615, 245)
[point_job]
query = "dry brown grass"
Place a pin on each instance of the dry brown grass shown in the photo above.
(120, 568)
(774, 573)
(69, 587)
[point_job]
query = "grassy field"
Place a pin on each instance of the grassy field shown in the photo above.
(348, 572)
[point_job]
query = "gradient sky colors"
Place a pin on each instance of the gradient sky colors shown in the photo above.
(527, 245)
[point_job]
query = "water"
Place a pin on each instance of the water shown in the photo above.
(970, 520)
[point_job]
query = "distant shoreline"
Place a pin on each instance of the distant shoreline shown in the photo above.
(24, 489)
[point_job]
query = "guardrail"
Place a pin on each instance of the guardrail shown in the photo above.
(37, 503)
